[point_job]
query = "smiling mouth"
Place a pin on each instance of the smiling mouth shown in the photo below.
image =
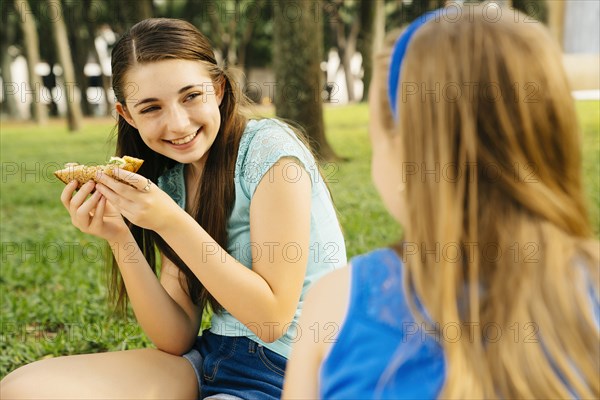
(186, 139)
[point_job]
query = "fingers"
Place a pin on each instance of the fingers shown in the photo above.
(67, 193)
(77, 200)
(132, 181)
(97, 219)
(79, 206)
(114, 198)
(83, 213)
(81, 217)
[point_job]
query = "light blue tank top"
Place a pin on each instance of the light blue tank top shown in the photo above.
(263, 143)
(381, 352)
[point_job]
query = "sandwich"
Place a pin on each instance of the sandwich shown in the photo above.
(84, 173)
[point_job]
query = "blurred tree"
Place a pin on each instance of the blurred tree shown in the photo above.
(345, 22)
(83, 29)
(400, 13)
(297, 45)
(61, 39)
(537, 9)
(47, 54)
(7, 39)
(435, 4)
(125, 13)
(236, 29)
(92, 23)
(224, 31)
(79, 45)
(145, 8)
(32, 51)
(359, 25)
(372, 22)
(247, 34)
(355, 26)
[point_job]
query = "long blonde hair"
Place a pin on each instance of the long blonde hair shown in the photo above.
(496, 208)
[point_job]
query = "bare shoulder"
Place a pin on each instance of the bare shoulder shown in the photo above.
(326, 306)
(331, 291)
(322, 315)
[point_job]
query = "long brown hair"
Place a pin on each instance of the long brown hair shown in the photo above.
(508, 194)
(157, 39)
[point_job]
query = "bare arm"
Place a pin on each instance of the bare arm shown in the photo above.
(165, 312)
(325, 304)
(264, 298)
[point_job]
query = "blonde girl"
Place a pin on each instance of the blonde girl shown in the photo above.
(493, 292)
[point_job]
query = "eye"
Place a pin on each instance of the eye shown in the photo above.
(149, 109)
(192, 96)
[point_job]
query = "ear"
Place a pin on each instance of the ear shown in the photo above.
(123, 112)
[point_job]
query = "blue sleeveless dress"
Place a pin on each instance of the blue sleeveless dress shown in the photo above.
(401, 361)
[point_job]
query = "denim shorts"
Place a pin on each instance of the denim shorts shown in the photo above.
(236, 367)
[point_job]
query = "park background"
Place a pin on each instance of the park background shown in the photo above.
(304, 60)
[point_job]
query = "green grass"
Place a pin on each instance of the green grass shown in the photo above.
(589, 120)
(52, 282)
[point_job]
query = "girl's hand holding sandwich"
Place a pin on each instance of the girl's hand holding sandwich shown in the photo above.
(139, 200)
(93, 215)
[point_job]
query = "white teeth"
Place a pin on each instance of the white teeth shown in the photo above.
(185, 140)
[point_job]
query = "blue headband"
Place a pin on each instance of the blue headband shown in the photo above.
(400, 51)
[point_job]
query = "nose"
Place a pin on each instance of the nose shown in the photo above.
(178, 120)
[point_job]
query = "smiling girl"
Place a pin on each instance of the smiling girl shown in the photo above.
(241, 218)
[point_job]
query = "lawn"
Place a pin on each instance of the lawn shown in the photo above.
(52, 277)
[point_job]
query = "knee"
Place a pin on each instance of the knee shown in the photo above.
(19, 384)
(9, 385)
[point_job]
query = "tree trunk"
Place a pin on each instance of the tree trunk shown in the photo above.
(62, 49)
(92, 32)
(346, 44)
(297, 53)
(128, 12)
(50, 81)
(145, 9)
(367, 10)
(435, 4)
(48, 54)
(9, 87)
(348, 53)
(218, 37)
(78, 42)
(32, 49)
(247, 37)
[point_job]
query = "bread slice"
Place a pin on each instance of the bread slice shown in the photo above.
(84, 173)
